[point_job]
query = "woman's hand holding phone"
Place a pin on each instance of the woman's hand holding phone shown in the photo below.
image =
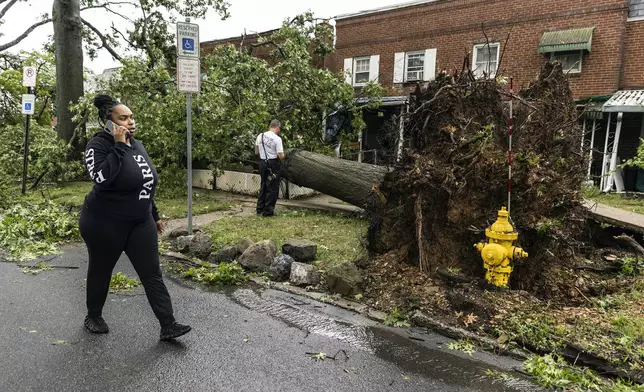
(119, 133)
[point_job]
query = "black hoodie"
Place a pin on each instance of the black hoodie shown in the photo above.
(124, 178)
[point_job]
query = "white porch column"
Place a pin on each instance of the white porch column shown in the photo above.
(360, 152)
(592, 147)
(613, 160)
(401, 134)
(583, 137)
(602, 180)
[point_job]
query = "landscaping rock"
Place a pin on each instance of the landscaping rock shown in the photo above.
(303, 251)
(304, 274)
(258, 257)
(280, 269)
(344, 279)
(183, 231)
(182, 243)
(227, 253)
(201, 245)
(244, 244)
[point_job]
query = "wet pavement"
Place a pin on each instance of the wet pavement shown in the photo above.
(245, 339)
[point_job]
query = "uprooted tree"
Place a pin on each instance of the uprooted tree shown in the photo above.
(436, 202)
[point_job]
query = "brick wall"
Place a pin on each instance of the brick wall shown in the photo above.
(633, 74)
(454, 26)
(245, 42)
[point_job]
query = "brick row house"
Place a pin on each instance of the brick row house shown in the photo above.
(600, 43)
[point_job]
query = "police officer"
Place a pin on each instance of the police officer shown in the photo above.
(271, 151)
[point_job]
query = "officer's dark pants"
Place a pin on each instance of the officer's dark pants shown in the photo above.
(269, 191)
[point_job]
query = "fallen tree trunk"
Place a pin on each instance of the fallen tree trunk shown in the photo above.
(352, 182)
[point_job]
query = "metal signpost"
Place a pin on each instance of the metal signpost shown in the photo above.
(27, 108)
(188, 81)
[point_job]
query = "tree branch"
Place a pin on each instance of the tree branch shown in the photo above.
(257, 45)
(109, 3)
(144, 37)
(106, 45)
(507, 39)
(44, 107)
(431, 101)
(6, 7)
(24, 35)
(629, 242)
(117, 31)
(108, 9)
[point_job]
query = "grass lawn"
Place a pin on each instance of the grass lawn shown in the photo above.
(337, 236)
(72, 194)
(628, 203)
(203, 201)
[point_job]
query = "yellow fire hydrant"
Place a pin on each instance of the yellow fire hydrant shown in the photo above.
(499, 250)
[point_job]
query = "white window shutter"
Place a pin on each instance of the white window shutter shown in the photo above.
(399, 67)
(429, 71)
(374, 68)
(348, 71)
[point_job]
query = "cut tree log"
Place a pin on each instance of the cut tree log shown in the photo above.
(352, 182)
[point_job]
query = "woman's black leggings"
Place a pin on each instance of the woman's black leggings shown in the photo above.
(106, 239)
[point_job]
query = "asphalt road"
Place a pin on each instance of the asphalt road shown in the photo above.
(244, 339)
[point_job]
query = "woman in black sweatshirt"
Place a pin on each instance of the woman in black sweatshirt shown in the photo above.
(119, 215)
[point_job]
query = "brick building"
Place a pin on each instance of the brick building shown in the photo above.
(599, 42)
(247, 42)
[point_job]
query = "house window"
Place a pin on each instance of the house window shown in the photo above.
(485, 59)
(636, 9)
(415, 66)
(361, 67)
(570, 61)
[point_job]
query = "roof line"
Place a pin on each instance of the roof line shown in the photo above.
(383, 9)
(254, 35)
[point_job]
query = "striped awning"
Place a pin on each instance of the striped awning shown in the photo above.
(566, 40)
(626, 101)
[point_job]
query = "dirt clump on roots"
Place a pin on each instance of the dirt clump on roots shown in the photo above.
(453, 178)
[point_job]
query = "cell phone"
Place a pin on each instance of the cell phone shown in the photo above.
(110, 128)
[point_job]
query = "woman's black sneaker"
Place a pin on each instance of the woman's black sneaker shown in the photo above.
(96, 325)
(174, 331)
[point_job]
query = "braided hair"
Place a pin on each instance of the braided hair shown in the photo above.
(105, 105)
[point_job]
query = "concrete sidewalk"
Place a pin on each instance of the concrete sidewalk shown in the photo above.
(616, 216)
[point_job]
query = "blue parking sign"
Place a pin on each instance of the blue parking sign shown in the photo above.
(28, 103)
(188, 44)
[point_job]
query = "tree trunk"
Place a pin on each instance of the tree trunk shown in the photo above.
(68, 39)
(352, 182)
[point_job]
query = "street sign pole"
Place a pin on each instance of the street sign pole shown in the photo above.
(189, 143)
(188, 81)
(26, 156)
(27, 108)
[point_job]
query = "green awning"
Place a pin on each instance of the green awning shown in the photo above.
(566, 40)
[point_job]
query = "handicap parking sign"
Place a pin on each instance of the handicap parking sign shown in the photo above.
(187, 40)
(188, 44)
(28, 103)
